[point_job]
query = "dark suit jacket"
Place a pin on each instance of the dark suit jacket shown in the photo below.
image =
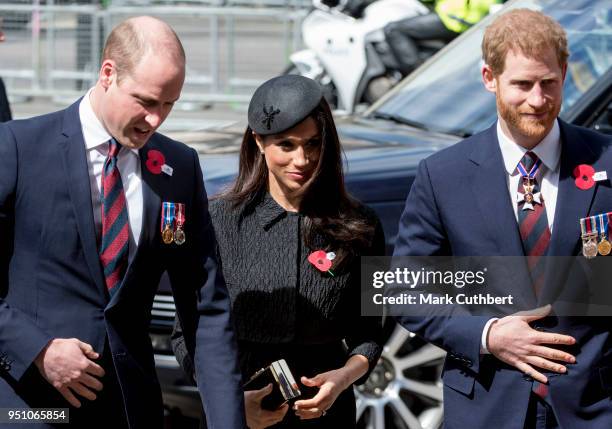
(52, 284)
(459, 205)
(5, 110)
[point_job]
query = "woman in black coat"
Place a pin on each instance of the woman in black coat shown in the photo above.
(290, 240)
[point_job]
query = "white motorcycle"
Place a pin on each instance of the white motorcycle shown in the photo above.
(349, 56)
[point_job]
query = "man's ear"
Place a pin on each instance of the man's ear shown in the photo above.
(564, 72)
(488, 78)
(108, 73)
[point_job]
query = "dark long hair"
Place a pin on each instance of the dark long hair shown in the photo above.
(333, 218)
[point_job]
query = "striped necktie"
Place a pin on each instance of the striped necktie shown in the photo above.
(114, 246)
(533, 222)
(535, 233)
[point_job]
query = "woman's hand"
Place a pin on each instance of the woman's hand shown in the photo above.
(330, 384)
(257, 417)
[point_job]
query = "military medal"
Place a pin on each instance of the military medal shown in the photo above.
(179, 234)
(604, 247)
(167, 224)
(528, 197)
(588, 228)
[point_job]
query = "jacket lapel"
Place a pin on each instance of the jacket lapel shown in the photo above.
(151, 199)
(74, 160)
(573, 203)
(490, 194)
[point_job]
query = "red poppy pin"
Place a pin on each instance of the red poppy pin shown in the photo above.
(322, 260)
(156, 163)
(584, 176)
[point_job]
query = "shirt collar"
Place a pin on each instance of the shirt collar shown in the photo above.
(94, 133)
(548, 150)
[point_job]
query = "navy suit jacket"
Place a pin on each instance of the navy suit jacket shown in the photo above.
(459, 205)
(51, 280)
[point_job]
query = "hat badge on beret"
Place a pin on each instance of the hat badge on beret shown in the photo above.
(269, 116)
(282, 102)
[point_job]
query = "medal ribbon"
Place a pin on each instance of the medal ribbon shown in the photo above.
(603, 225)
(168, 213)
(591, 225)
(532, 172)
(180, 214)
(588, 225)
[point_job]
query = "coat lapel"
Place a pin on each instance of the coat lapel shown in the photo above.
(490, 194)
(151, 199)
(572, 204)
(74, 160)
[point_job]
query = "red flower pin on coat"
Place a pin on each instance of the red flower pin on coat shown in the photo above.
(155, 161)
(322, 260)
(584, 176)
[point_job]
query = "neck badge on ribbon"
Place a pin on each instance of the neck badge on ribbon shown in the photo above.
(528, 197)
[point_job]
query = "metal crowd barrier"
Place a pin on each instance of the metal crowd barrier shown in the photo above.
(53, 49)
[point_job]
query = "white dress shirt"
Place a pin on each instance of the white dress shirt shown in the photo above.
(549, 151)
(128, 162)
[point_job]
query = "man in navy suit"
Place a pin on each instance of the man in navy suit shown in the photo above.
(94, 207)
(510, 191)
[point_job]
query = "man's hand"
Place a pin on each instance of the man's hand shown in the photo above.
(66, 364)
(513, 341)
(257, 417)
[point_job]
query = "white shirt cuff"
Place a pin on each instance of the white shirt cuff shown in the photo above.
(483, 338)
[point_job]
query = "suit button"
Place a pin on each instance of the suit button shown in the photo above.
(527, 377)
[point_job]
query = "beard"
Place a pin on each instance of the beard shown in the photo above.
(532, 128)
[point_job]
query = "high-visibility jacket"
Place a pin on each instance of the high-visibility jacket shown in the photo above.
(459, 15)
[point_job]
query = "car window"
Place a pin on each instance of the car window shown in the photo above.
(603, 123)
(447, 94)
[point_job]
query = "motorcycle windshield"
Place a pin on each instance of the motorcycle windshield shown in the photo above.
(447, 94)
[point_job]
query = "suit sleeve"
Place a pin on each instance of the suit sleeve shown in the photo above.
(215, 355)
(21, 340)
(422, 233)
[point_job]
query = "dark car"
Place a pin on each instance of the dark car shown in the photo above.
(442, 102)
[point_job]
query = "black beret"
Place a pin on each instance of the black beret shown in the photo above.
(283, 102)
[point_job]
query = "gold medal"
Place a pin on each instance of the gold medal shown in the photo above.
(589, 246)
(167, 234)
(604, 247)
(179, 236)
